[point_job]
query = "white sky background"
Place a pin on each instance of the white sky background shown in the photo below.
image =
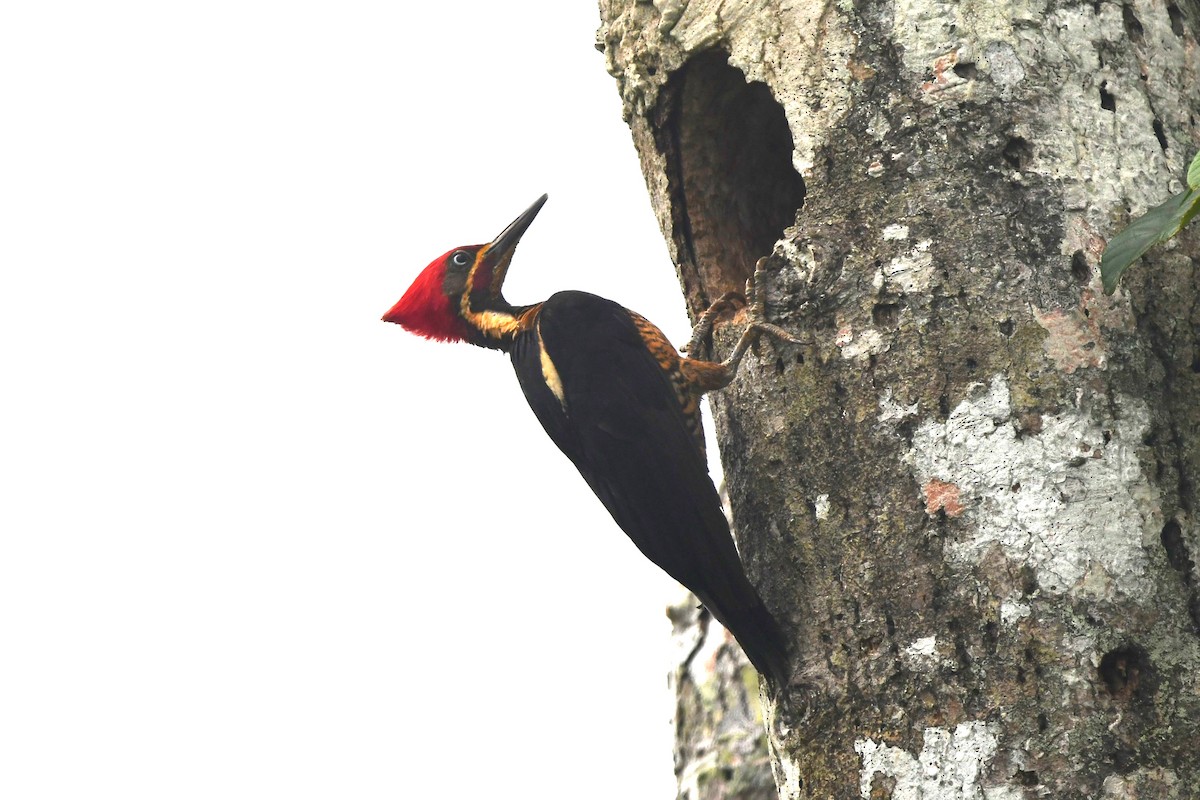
(255, 542)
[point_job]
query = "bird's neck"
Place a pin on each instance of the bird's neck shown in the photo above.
(494, 321)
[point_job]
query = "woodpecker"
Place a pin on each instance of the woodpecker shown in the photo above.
(623, 405)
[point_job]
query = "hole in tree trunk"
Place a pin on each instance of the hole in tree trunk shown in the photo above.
(733, 187)
(1177, 553)
(1080, 271)
(1181, 561)
(1176, 19)
(1107, 101)
(1160, 134)
(1127, 673)
(1133, 26)
(1017, 152)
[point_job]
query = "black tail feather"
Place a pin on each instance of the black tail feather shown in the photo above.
(760, 637)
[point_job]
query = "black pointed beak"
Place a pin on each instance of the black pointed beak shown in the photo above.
(503, 244)
(499, 252)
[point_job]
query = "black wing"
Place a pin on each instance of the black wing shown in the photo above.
(608, 405)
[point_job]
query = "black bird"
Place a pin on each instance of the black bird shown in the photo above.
(623, 405)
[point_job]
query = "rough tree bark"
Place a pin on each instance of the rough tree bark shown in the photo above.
(972, 500)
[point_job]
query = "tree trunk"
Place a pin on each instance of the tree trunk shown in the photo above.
(972, 499)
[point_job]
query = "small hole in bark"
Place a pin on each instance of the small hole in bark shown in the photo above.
(1124, 669)
(1029, 584)
(966, 70)
(944, 405)
(1176, 19)
(1160, 134)
(962, 654)
(1043, 723)
(799, 358)
(1177, 553)
(1107, 101)
(1080, 271)
(779, 366)
(651, 71)
(1006, 328)
(1123, 759)
(1028, 777)
(886, 315)
(971, 364)
(733, 186)
(891, 624)
(1133, 26)
(1017, 152)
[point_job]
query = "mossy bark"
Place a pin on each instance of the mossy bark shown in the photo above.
(972, 499)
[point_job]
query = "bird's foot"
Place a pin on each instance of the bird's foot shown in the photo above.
(756, 314)
(756, 321)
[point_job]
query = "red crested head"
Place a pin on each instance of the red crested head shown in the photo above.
(429, 307)
(457, 297)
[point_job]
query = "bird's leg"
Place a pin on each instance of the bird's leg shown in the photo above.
(704, 325)
(758, 325)
(704, 376)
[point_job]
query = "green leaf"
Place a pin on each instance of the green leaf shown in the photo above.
(1193, 175)
(1156, 225)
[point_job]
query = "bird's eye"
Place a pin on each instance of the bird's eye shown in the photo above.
(461, 258)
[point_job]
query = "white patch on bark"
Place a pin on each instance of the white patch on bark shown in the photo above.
(909, 273)
(920, 655)
(895, 232)
(949, 766)
(929, 31)
(1106, 157)
(821, 505)
(1071, 501)
(1142, 783)
(869, 342)
(1004, 63)
(925, 646)
(893, 411)
(1013, 611)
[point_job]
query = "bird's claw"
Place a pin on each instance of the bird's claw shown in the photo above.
(756, 314)
(756, 319)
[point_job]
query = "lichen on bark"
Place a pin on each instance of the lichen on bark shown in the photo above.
(972, 499)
